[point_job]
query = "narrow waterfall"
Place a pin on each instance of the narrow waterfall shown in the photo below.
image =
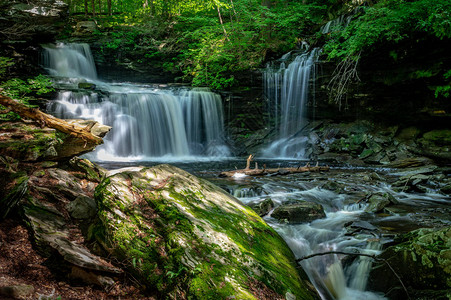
(148, 123)
(287, 89)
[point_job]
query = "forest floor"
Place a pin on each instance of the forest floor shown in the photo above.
(20, 264)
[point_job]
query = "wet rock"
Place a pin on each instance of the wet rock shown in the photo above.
(408, 134)
(415, 171)
(378, 201)
(396, 210)
(299, 212)
(183, 235)
(262, 208)
(410, 162)
(422, 258)
(22, 291)
(363, 225)
(446, 189)
(86, 86)
(414, 182)
(334, 186)
(82, 208)
(438, 137)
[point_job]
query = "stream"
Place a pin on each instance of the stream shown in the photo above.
(155, 124)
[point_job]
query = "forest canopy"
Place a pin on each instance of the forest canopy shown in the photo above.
(210, 41)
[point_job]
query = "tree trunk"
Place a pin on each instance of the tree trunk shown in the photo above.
(100, 7)
(222, 23)
(275, 171)
(109, 7)
(86, 7)
(93, 5)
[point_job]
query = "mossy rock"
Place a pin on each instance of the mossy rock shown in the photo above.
(438, 137)
(299, 212)
(181, 235)
(28, 142)
(422, 259)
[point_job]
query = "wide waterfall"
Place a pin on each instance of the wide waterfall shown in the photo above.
(147, 122)
(287, 90)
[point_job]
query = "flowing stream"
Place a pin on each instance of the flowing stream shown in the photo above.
(152, 125)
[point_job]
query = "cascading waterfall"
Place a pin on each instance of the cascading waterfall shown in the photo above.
(147, 122)
(287, 90)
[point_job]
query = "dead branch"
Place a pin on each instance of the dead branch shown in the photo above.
(344, 74)
(274, 171)
(359, 254)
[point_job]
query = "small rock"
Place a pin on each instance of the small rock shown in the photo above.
(299, 212)
(446, 189)
(262, 208)
(17, 291)
(86, 86)
(363, 225)
(378, 201)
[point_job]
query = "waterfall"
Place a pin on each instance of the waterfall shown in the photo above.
(69, 60)
(147, 122)
(287, 90)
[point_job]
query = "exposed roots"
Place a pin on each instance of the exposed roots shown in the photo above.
(344, 74)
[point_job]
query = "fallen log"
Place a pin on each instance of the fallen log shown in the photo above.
(43, 119)
(272, 171)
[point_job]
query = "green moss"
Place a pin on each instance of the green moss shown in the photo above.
(174, 237)
(439, 137)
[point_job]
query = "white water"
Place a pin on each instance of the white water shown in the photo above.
(287, 90)
(327, 272)
(148, 123)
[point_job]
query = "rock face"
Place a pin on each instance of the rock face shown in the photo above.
(182, 235)
(299, 212)
(423, 261)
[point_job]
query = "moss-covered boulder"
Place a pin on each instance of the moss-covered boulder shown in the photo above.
(184, 237)
(422, 259)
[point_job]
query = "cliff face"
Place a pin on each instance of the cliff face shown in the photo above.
(24, 25)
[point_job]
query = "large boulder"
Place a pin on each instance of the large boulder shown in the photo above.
(182, 236)
(422, 260)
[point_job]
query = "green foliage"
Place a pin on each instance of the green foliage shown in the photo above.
(207, 41)
(22, 90)
(391, 21)
(5, 63)
(444, 90)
